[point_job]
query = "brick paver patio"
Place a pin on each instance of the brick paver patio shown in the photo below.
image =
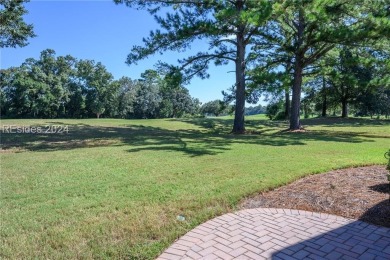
(267, 233)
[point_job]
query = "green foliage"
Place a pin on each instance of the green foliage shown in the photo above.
(98, 86)
(147, 101)
(347, 78)
(97, 108)
(273, 109)
(176, 99)
(260, 37)
(14, 32)
(127, 96)
(281, 115)
(63, 86)
(65, 80)
(354, 78)
(38, 88)
(215, 108)
(301, 33)
(374, 102)
(255, 110)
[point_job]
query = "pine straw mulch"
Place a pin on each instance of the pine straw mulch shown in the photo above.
(357, 193)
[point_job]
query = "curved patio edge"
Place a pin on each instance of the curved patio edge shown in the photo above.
(274, 233)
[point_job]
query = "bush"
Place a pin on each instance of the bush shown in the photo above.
(281, 115)
(272, 110)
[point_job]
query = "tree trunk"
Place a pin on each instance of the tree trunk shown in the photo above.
(297, 81)
(239, 127)
(324, 106)
(305, 111)
(296, 96)
(344, 112)
(287, 105)
(324, 100)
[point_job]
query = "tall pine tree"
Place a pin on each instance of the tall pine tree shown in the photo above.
(229, 27)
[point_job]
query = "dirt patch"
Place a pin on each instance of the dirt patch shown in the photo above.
(358, 193)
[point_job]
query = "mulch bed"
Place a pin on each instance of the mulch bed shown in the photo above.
(357, 193)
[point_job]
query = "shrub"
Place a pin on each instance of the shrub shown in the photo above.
(272, 109)
(281, 115)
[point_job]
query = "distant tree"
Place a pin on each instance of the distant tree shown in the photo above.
(308, 104)
(254, 110)
(322, 98)
(75, 107)
(98, 85)
(6, 91)
(374, 103)
(15, 88)
(351, 77)
(147, 101)
(215, 107)
(127, 96)
(375, 97)
(177, 102)
(52, 87)
(97, 107)
(176, 99)
(39, 88)
(347, 78)
(52, 74)
(194, 109)
(14, 32)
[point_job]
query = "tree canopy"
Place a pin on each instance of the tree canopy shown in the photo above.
(14, 32)
(64, 86)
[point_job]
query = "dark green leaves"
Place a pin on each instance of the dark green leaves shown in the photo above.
(14, 32)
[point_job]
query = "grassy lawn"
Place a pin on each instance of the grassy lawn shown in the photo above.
(114, 188)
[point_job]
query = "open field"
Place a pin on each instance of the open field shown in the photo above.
(113, 188)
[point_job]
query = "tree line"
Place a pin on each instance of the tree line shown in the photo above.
(63, 86)
(322, 54)
(349, 80)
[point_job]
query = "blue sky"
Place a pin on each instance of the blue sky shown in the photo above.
(105, 32)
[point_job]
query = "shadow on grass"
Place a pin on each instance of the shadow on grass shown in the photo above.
(219, 125)
(210, 138)
(344, 122)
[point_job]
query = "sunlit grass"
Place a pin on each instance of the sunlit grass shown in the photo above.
(113, 188)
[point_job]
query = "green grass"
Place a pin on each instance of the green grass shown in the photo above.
(113, 188)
